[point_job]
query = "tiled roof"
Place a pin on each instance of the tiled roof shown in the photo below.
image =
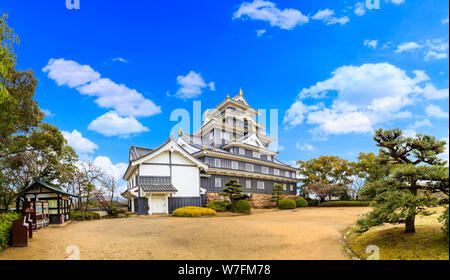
(138, 152)
(158, 188)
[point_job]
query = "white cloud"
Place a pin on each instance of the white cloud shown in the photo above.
(297, 112)
(334, 122)
(366, 96)
(444, 21)
(47, 113)
(408, 46)
(418, 124)
(328, 17)
(398, 2)
(445, 154)
(304, 147)
(82, 146)
(119, 59)
(69, 72)
(260, 32)
(431, 92)
(360, 9)
(111, 124)
(437, 49)
(434, 55)
(191, 85)
(116, 170)
(371, 43)
(267, 11)
(435, 112)
(125, 101)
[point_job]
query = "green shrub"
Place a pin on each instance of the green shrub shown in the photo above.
(193, 211)
(286, 204)
(241, 206)
(444, 219)
(345, 204)
(76, 215)
(313, 202)
(96, 216)
(300, 202)
(219, 206)
(6, 220)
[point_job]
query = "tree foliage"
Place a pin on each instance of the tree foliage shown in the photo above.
(7, 56)
(417, 180)
(233, 190)
(326, 176)
(367, 170)
(277, 193)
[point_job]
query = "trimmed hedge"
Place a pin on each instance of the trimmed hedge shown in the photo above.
(345, 204)
(286, 204)
(241, 206)
(5, 227)
(219, 206)
(193, 211)
(300, 202)
(313, 202)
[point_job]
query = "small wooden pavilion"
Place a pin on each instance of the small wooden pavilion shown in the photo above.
(58, 200)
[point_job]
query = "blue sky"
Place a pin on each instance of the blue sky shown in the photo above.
(111, 73)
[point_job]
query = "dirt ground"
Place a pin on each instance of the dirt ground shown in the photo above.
(305, 233)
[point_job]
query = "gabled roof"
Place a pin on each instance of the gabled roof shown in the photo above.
(171, 145)
(49, 186)
(138, 152)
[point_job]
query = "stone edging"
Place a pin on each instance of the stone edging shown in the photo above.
(346, 247)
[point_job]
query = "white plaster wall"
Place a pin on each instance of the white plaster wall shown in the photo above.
(163, 157)
(178, 158)
(154, 170)
(187, 180)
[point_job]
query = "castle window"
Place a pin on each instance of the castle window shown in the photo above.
(241, 151)
(249, 167)
(265, 169)
(269, 158)
(286, 173)
(211, 135)
(218, 183)
(256, 154)
(292, 187)
(260, 185)
(284, 187)
(217, 162)
(276, 172)
(234, 165)
(293, 174)
(248, 184)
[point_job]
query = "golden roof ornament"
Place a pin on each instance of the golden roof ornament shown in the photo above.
(253, 128)
(228, 96)
(240, 92)
(214, 148)
(204, 147)
(234, 138)
(181, 131)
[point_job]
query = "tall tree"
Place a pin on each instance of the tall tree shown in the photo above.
(325, 172)
(416, 176)
(7, 56)
(367, 170)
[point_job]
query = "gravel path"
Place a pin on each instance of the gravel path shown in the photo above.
(307, 233)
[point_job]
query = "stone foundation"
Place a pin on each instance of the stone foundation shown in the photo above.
(258, 200)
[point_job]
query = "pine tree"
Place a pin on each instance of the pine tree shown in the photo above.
(277, 193)
(233, 190)
(417, 180)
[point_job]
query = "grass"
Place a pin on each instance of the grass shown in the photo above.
(427, 243)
